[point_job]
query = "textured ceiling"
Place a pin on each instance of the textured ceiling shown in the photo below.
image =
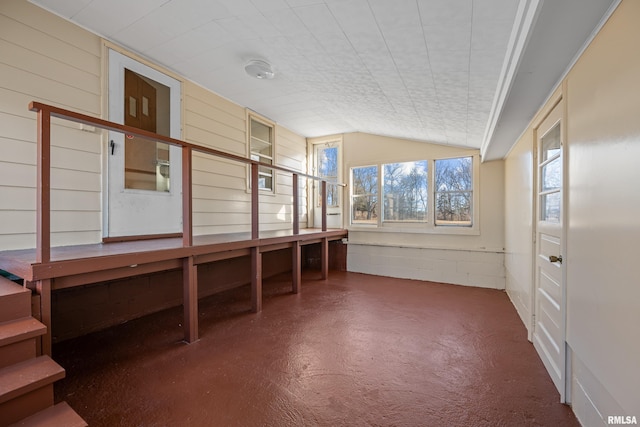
(421, 69)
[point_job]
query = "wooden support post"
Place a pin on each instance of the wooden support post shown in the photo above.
(190, 299)
(43, 188)
(255, 199)
(187, 197)
(296, 207)
(324, 205)
(296, 266)
(256, 280)
(43, 289)
(325, 258)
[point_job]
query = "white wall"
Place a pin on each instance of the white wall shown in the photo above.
(47, 59)
(474, 259)
(222, 202)
(518, 222)
(603, 237)
(602, 94)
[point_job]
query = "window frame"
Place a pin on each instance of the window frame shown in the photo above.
(383, 198)
(436, 192)
(253, 117)
(352, 195)
(329, 144)
(423, 227)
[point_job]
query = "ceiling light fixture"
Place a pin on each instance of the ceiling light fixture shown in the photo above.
(259, 69)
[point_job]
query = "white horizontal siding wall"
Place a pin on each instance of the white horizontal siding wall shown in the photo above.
(460, 267)
(47, 59)
(291, 152)
(222, 202)
(474, 259)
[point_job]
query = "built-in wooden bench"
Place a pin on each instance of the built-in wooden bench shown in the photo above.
(46, 268)
(85, 264)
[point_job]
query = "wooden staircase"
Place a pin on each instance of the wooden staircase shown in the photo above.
(26, 379)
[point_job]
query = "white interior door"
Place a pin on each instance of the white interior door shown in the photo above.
(137, 210)
(327, 157)
(549, 300)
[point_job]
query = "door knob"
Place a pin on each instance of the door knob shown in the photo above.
(554, 258)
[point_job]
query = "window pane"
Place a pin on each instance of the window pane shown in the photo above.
(261, 150)
(146, 164)
(454, 191)
(552, 175)
(364, 199)
(550, 206)
(365, 180)
(551, 143)
(453, 208)
(327, 167)
(454, 174)
(405, 191)
(364, 209)
(328, 161)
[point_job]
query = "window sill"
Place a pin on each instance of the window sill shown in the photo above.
(428, 247)
(427, 228)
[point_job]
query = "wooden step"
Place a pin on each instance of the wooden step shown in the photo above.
(18, 340)
(15, 300)
(27, 387)
(60, 415)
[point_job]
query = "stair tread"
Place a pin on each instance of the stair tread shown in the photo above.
(60, 415)
(7, 287)
(21, 378)
(20, 330)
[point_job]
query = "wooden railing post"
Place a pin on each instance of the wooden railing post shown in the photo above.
(324, 258)
(255, 212)
(43, 188)
(187, 197)
(190, 299)
(43, 289)
(256, 279)
(324, 205)
(295, 211)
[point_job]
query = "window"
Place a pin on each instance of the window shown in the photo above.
(434, 196)
(454, 191)
(364, 195)
(327, 167)
(551, 176)
(261, 149)
(405, 191)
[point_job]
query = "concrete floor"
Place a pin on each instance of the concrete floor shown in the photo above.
(355, 350)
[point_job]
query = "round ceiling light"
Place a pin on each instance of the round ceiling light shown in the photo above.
(259, 69)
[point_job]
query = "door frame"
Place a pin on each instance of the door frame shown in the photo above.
(552, 104)
(335, 216)
(117, 61)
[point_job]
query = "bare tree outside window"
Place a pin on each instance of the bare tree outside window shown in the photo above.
(454, 191)
(327, 158)
(364, 199)
(405, 191)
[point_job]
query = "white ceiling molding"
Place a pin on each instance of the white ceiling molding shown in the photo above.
(561, 32)
(577, 56)
(528, 11)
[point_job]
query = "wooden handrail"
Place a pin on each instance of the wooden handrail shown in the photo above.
(43, 207)
(107, 125)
